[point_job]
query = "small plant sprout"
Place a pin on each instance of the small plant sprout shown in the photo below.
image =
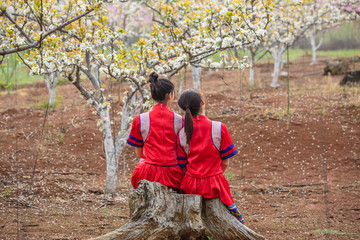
(6, 192)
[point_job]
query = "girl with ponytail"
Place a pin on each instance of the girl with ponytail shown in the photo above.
(153, 134)
(204, 148)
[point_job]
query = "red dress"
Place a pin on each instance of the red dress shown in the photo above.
(159, 142)
(203, 158)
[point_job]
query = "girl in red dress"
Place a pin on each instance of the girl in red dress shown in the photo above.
(204, 148)
(153, 134)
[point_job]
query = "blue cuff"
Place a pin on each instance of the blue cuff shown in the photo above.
(133, 144)
(230, 155)
(135, 139)
(227, 149)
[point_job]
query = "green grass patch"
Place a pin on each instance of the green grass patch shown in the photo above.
(296, 54)
(278, 112)
(342, 53)
(229, 175)
(331, 231)
(6, 192)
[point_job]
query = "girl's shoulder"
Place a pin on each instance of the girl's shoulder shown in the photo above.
(177, 115)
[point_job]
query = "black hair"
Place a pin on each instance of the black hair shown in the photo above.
(190, 101)
(159, 87)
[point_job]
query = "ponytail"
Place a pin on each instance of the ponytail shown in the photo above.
(188, 125)
(190, 101)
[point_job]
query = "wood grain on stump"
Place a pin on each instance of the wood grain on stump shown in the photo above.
(160, 213)
(336, 67)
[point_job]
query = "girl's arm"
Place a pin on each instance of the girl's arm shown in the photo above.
(224, 164)
(139, 152)
(135, 138)
(227, 148)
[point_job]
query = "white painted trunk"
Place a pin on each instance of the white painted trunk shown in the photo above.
(251, 70)
(50, 82)
(251, 76)
(314, 47)
(276, 73)
(196, 75)
(181, 84)
(111, 153)
(182, 81)
(128, 112)
(278, 56)
(52, 95)
(113, 149)
(281, 61)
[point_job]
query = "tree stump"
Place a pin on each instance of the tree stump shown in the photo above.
(160, 213)
(351, 78)
(336, 67)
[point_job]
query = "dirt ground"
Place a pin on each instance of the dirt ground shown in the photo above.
(294, 177)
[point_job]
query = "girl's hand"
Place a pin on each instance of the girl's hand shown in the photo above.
(139, 151)
(224, 164)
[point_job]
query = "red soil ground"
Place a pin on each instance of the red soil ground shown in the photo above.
(293, 178)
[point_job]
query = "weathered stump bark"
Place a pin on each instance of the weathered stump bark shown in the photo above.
(160, 213)
(351, 78)
(336, 67)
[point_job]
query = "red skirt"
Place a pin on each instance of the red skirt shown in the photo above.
(170, 176)
(209, 187)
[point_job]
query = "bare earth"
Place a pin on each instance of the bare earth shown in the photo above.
(292, 179)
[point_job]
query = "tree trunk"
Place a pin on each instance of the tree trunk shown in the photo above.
(110, 152)
(314, 47)
(251, 69)
(113, 150)
(159, 213)
(278, 55)
(196, 75)
(181, 82)
(50, 82)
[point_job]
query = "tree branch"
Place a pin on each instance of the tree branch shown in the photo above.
(36, 43)
(83, 91)
(18, 27)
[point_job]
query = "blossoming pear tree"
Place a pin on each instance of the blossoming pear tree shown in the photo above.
(255, 52)
(189, 34)
(292, 18)
(30, 24)
(322, 28)
(26, 24)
